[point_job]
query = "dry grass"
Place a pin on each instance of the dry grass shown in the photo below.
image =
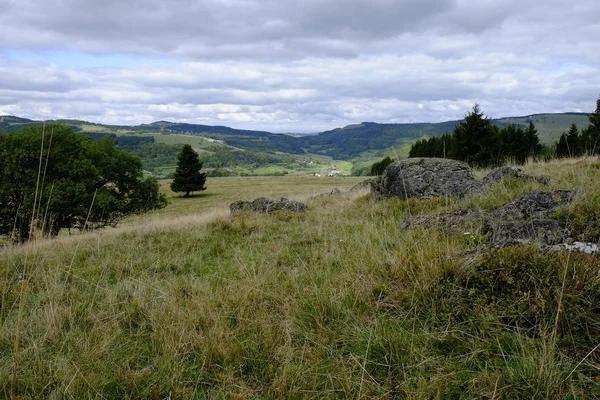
(335, 302)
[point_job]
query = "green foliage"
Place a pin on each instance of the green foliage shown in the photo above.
(188, 177)
(353, 140)
(222, 157)
(433, 147)
(380, 166)
(54, 178)
(155, 155)
(479, 142)
(124, 142)
(532, 145)
(570, 144)
(590, 136)
(575, 144)
(476, 140)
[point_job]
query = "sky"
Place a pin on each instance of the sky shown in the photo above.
(296, 65)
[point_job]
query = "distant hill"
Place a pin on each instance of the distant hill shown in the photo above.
(242, 138)
(342, 143)
(350, 141)
(9, 123)
(549, 126)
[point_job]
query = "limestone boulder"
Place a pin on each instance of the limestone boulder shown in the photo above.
(425, 177)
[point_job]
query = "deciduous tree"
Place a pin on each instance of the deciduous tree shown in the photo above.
(53, 178)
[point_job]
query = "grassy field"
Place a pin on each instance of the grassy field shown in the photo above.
(220, 192)
(336, 302)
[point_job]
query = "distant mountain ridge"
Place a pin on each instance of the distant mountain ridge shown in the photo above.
(341, 143)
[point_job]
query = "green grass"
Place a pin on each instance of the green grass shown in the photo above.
(220, 192)
(337, 302)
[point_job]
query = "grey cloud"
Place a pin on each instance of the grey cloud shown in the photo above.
(301, 65)
(304, 95)
(253, 28)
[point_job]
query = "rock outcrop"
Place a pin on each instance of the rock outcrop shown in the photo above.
(425, 177)
(364, 185)
(522, 220)
(505, 233)
(534, 205)
(432, 177)
(451, 221)
(497, 175)
(265, 205)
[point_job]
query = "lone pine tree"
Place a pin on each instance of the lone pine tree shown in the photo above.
(188, 177)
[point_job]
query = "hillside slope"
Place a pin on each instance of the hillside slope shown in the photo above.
(342, 143)
(334, 302)
(549, 126)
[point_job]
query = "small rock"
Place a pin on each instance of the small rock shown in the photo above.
(265, 205)
(364, 185)
(18, 279)
(582, 247)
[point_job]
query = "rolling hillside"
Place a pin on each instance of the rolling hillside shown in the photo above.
(359, 144)
(549, 126)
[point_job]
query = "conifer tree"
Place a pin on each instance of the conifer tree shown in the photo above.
(593, 131)
(476, 140)
(562, 148)
(379, 167)
(188, 177)
(534, 148)
(573, 141)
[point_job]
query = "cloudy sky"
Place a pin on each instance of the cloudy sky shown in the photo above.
(296, 65)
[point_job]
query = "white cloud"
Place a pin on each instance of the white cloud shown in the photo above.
(296, 65)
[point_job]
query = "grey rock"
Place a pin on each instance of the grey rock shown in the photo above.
(456, 220)
(587, 248)
(265, 205)
(583, 247)
(534, 205)
(334, 192)
(523, 220)
(503, 233)
(425, 177)
(497, 175)
(364, 185)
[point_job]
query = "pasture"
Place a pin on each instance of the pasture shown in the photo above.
(336, 302)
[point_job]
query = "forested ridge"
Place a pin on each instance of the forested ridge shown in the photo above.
(245, 150)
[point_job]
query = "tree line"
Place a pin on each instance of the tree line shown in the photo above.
(574, 143)
(479, 142)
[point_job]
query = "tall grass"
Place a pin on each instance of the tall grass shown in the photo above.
(335, 302)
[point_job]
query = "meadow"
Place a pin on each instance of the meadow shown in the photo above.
(337, 302)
